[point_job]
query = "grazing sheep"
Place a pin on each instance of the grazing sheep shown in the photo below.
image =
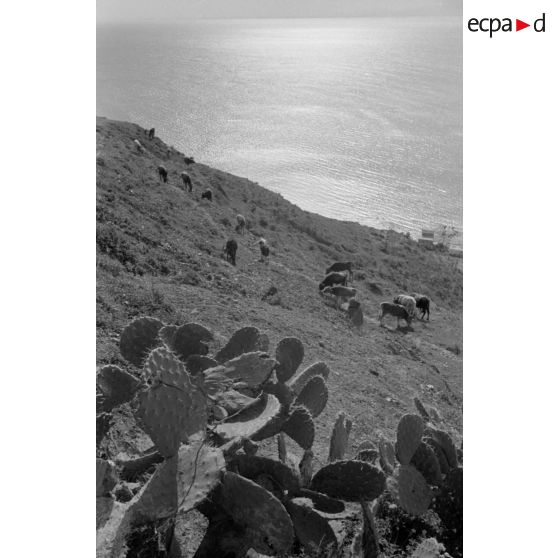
(264, 249)
(187, 180)
(230, 250)
(189, 161)
(152, 133)
(408, 302)
(138, 145)
(400, 312)
(340, 293)
(207, 195)
(240, 224)
(333, 278)
(423, 304)
(163, 174)
(341, 266)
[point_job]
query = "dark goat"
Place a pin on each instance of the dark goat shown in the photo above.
(423, 304)
(333, 278)
(187, 180)
(400, 312)
(189, 161)
(163, 174)
(207, 195)
(230, 250)
(152, 133)
(264, 249)
(341, 266)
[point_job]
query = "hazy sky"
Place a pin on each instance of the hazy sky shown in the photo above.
(173, 10)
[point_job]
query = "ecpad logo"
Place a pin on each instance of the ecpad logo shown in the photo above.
(493, 25)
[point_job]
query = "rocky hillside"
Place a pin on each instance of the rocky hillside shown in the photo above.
(159, 253)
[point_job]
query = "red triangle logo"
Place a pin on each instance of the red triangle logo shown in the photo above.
(519, 25)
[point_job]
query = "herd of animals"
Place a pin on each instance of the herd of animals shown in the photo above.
(335, 283)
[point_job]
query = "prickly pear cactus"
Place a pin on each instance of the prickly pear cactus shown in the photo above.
(410, 489)
(300, 427)
(409, 434)
(298, 382)
(251, 368)
(252, 420)
(199, 470)
(158, 498)
(446, 443)
(189, 339)
(244, 340)
(173, 408)
(282, 447)
(322, 502)
(138, 338)
(251, 467)
(313, 396)
(196, 364)
(116, 385)
(289, 355)
(369, 537)
(312, 530)
(349, 480)
(339, 438)
(426, 462)
(259, 512)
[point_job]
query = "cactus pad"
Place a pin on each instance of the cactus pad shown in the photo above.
(410, 489)
(244, 340)
(196, 364)
(370, 540)
(446, 443)
(259, 512)
(426, 462)
(282, 447)
(138, 338)
(233, 401)
(440, 454)
(409, 434)
(349, 480)
(313, 396)
(387, 456)
(116, 385)
(158, 498)
(282, 391)
(300, 380)
(252, 368)
(199, 470)
(162, 367)
(339, 438)
(189, 339)
(322, 502)
(111, 536)
(169, 414)
(251, 467)
(250, 421)
(300, 427)
(312, 530)
(106, 479)
(289, 355)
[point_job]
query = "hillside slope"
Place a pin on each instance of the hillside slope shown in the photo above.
(159, 254)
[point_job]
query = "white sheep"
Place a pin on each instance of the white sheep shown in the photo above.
(240, 224)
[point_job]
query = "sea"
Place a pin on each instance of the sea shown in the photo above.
(356, 119)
